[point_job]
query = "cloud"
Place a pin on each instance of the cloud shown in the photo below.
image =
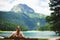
(43, 7)
(5, 5)
(42, 10)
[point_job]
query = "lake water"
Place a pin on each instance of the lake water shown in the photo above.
(32, 34)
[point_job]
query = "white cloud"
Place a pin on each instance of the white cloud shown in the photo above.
(43, 7)
(5, 5)
(42, 10)
(40, 6)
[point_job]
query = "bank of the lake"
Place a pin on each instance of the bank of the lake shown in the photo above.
(32, 34)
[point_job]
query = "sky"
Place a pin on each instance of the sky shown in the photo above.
(39, 6)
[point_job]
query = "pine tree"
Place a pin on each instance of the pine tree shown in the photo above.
(54, 18)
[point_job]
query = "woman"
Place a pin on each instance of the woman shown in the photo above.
(17, 35)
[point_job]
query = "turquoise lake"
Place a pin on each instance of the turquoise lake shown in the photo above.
(32, 34)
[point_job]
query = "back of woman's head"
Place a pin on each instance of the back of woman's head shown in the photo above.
(18, 28)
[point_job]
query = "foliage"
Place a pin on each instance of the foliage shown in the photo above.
(6, 26)
(54, 18)
(44, 28)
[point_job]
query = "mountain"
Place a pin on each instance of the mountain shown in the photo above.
(23, 15)
(23, 8)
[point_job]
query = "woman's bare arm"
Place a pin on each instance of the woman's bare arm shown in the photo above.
(22, 35)
(11, 36)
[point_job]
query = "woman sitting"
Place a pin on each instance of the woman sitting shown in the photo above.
(17, 35)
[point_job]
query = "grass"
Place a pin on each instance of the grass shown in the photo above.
(42, 39)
